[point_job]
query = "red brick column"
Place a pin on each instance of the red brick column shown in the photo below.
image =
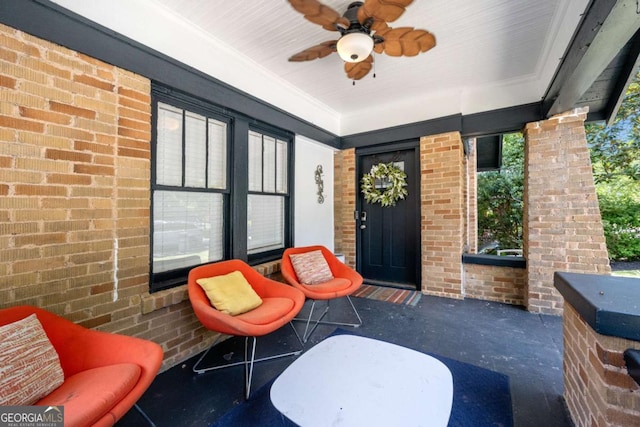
(345, 204)
(562, 225)
(442, 205)
(597, 387)
(471, 195)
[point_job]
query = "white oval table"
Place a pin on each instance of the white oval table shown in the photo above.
(347, 380)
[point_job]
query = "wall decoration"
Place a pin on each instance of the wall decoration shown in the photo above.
(320, 184)
(384, 184)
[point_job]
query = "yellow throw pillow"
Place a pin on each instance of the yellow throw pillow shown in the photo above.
(230, 293)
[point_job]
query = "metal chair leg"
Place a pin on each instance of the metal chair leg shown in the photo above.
(307, 333)
(248, 367)
(355, 311)
(145, 416)
(203, 370)
(297, 335)
(248, 361)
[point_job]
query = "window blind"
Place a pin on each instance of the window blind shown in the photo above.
(268, 188)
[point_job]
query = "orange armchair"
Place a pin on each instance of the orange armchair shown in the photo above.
(346, 281)
(91, 361)
(280, 304)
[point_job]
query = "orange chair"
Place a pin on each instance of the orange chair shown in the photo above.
(346, 281)
(95, 391)
(280, 304)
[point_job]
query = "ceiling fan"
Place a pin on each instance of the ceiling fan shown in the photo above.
(363, 28)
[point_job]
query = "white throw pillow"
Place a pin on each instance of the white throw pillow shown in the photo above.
(29, 365)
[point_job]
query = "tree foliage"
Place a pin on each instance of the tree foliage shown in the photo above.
(615, 149)
(620, 209)
(500, 197)
(615, 158)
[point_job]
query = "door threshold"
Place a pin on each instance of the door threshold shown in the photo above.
(404, 286)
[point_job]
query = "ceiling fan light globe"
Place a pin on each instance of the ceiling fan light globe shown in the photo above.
(355, 47)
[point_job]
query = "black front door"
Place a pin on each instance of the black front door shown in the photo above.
(389, 237)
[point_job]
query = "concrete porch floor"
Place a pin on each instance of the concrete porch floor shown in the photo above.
(527, 347)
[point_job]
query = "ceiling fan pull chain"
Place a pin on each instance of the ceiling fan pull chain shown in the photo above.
(373, 58)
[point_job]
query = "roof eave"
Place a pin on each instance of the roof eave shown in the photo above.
(605, 29)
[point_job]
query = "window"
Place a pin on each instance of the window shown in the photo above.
(199, 212)
(268, 198)
(190, 195)
(500, 200)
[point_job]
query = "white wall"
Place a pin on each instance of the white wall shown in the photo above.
(313, 221)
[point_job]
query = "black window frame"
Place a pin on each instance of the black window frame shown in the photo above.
(166, 279)
(236, 192)
(269, 131)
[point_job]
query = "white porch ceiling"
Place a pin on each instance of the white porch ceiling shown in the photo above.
(490, 54)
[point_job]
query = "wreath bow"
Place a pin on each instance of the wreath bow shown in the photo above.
(389, 195)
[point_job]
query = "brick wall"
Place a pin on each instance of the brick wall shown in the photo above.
(443, 186)
(493, 283)
(74, 187)
(562, 225)
(345, 204)
(471, 193)
(447, 223)
(442, 214)
(597, 388)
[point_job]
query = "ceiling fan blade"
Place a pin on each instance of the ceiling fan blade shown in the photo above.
(357, 70)
(315, 52)
(320, 14)
(382, 10)
(405, 41)
(379, 26)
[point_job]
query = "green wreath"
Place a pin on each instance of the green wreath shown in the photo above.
(386, 195)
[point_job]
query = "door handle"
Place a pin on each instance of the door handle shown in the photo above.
(362, 227)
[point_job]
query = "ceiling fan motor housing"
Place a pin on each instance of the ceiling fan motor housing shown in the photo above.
(352, 11)
(356, 42)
